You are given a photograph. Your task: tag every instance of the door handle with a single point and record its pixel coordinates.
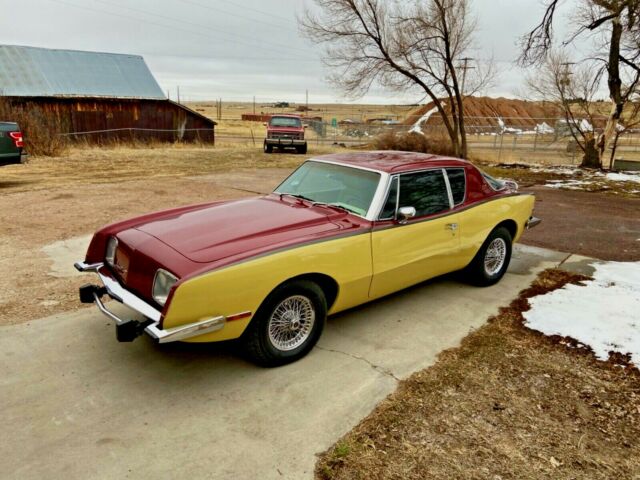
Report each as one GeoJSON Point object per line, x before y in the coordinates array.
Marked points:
{"type": "Point", "coordinates": [452, 226]}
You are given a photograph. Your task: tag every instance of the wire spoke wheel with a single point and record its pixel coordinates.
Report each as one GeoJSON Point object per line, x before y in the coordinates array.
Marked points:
{"type": "Point", "coordinates": [495, 256]}
{"type": "Point", "coordinates": [291, 322]}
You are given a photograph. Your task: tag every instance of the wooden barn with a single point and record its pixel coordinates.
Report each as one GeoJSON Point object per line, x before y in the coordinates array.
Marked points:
{"type": "Point", "coordinates": [97, 97]}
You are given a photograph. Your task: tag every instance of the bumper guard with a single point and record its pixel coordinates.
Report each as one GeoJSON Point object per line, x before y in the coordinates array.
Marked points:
{"type": "Point", "coordinates": [126, 329]}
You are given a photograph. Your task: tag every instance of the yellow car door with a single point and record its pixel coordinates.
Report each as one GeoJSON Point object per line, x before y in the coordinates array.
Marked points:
{"type": "Point", "coordinates": [417, 236]}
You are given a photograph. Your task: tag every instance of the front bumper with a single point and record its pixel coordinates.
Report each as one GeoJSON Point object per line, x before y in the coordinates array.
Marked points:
{"type": "Point", "coordinates": [285, 142]}
{"type": "Point", "coordinates": [126, 329]}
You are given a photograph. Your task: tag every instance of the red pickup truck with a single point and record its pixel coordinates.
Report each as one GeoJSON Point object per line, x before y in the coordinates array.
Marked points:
{"type": "Point", "coordinates": [285, 131]}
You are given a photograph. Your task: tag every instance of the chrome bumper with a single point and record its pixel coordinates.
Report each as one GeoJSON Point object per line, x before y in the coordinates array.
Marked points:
{"type": "Point", "coordinates": [285, 142]}
{"type": "Point", "coordinates": [127, 329]}
{"type": "Point", "coordinates": [532, 222]}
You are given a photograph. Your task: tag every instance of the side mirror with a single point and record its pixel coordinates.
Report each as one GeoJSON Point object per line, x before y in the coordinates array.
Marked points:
{"type": "Point", "coordinates": [264, 124]}
{"type": "Point", "coordinates": [405, 213]}
{"type": "Point", "coordinates": [305, 126]}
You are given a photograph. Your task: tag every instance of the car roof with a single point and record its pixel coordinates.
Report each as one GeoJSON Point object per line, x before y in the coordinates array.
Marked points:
{"type": "Point", "coordinates": [285, 115]}
{"type": "Point", "coordinates": [392, 161]}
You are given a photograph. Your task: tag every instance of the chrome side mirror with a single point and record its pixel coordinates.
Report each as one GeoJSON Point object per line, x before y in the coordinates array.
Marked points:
{"type": "Point", "coordinates": [405, 213]}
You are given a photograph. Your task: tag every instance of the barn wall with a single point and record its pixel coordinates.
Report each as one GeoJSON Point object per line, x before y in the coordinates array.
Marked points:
{"type": "Point", "coordinates": [123, 119]}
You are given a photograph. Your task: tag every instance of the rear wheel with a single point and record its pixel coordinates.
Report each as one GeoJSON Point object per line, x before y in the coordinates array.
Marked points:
{"type": "Point", "coordinates": [267, 148]}
{"type": "Point", "coordinates": [287, 325]}
{"type": "Point", "coordinates": [302, 150]}
{"type": "Point", "coordinates": [491, 262]}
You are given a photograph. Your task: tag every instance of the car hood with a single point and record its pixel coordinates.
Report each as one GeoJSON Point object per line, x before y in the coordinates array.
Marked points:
{"type": "Point", "coordinates": [211, 233]}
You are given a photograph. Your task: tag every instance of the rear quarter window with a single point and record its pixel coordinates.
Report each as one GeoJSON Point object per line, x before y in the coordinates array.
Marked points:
{"type": "Point", "coordinates": [458, 183]}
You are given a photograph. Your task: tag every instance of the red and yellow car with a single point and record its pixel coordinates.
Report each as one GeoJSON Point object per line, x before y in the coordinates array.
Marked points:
{"type": "Point", "coordinates": [340, 231]}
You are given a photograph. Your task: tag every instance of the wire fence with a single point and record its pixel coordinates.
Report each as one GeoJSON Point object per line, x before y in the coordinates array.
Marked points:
{"type": "Point", "coordinates": [538, 144]}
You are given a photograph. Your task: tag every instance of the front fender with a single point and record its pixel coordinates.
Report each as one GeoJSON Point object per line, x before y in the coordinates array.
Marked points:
{"type": "Point", "coordinates": [242, 287]}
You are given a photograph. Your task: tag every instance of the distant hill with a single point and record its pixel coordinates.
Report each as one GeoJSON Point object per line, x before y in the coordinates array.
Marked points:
{"type": "Point", "coordinates": [490, 112]}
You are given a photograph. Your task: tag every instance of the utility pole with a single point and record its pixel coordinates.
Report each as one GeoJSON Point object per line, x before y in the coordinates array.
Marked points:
{"type": "Point", "coordinates": [307, 102]}
{"type": "Point", "coordinates": [178, 89]}
{"type": "Point", "coordinates": [565, 81]}
{"type": "Point", "coordinates": [465, 66]}
{"type": "Point", "coordinates": [254, 104]}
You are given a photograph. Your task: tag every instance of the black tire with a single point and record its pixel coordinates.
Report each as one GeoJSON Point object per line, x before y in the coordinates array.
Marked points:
{"type": "Point", "coordinates": [257, 342]}
{"type": "Point", "coordinates": [478, 272]}
{"type": "Point", "coordinates": [267, 148]}
{"type": "Point", "coordinates": [302, 150]}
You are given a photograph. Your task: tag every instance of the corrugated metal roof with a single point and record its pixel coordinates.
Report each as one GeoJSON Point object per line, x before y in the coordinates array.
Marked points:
{"type": "Point", "coordinates": [43, 72]}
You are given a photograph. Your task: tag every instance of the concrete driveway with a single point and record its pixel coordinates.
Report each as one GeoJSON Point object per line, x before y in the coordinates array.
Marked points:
{"type": "Point", "coordinates": [76, 404]}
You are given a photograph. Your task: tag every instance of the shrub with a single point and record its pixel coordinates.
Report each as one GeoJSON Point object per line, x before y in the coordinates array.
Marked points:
{"type": "Point", "coordinates": [436, 144]}
{"type": "Point", "coordinates": [41, 129]}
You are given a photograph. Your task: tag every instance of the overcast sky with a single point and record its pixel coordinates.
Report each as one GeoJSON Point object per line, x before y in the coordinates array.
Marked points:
{"type": "Point", "coordinates": [235, 49]}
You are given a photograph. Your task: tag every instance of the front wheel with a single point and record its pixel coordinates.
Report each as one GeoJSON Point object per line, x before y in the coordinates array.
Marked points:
{"type": "Point", "coordinates": [302, 149]}
{"type": "Point", "coordinates": [267, 148]}
{"type": "Point", "coordinates": [491, 262]}
{"type": "Point", "coordinates": [287, 325]}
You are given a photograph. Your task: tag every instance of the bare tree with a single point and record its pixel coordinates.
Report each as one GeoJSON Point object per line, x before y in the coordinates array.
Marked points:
{"type": "Point", "coordinates": [615, 31]}
{"type": "Point", "coordinates": [401, 45]}
{"type": "Point", "coordinates": [574, 91]}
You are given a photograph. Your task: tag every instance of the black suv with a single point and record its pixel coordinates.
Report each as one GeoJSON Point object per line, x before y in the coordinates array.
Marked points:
{"type": "Point", "coordinates": [11, 143]}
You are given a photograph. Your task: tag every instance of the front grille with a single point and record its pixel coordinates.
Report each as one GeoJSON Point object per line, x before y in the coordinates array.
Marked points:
{"type": "Point", "coordinates": [292, 136]}
{"type": "Point", "coordinates": [121, 264]}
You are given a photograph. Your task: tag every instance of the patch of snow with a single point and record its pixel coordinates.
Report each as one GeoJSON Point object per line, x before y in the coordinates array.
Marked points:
{"type": "Point", "coordinates": [603, 314]}
{"type": "Point", "coordinates": [624, 177]}
{"type": "Point", "coordinates": [417, 127]}
{"type": "Point", "coordinates": [558, 170]}
{"type": "Point", "coordinates": [585, 126]}
{"type": "Point", "coordinates": [570, 184]}
{"type": "Point", "coordinates": [543, 127]}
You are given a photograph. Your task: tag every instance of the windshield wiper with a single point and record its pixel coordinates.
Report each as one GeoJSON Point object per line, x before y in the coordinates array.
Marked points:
{"type": "Point", "coordinates": [335, 205]}
{"type": "Point", "coordinates": [296, 195]}
{"type": "Point", "coordinates": [320, 204]}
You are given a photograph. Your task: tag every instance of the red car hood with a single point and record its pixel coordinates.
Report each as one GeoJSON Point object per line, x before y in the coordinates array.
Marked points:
{"type": "Point", "coordinates": [211, 233]}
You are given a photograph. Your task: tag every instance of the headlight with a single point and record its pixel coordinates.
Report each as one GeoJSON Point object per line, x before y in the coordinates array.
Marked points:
{"type": "Point", "coordinates": [162, 284]}
{"type": "Point", "coordinates": [110, 254]}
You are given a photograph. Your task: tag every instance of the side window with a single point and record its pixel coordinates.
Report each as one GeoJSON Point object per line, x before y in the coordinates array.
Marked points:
{"type": "Point", "coordinates": [457, 183]}
{"type": "Point", "coordinates": [425, 191]}
{"type": "Point", "coordinates": [389, 210]}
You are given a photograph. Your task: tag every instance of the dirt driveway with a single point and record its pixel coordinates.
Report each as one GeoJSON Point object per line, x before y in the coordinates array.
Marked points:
{"type": "Point", "coordinates": [596, 225]}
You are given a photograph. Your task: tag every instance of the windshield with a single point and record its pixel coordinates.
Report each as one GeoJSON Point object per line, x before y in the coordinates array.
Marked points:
{"type": "Point", "coordinates": [350, 188]}
{"type": "Point", "coordinates": [285, 122]}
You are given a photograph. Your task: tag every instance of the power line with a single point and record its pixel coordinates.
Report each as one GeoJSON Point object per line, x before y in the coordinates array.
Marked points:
{"type": "Point", "coordinates": [199, 25]}
{"type": "Point", "coordinates": [171, 27]}
{"type": "Point", "coordinates": [214, 9]}
{"type": "Point", "coordinates": [244, 7]}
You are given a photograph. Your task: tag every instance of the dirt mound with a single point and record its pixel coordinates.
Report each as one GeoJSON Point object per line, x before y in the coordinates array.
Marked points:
{"type": "Point", "coordinates": [490, 112]}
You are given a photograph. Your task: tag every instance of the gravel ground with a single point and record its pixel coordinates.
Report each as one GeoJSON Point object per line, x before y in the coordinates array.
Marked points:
{"type": "Point", "coordinates": [598, 225]}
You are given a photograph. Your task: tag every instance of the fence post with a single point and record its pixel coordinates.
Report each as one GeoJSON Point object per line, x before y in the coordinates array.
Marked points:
{"type": "Point", "coordinates": [501, 141]}
{"type": "Point", "coordinates": [535, 140]}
